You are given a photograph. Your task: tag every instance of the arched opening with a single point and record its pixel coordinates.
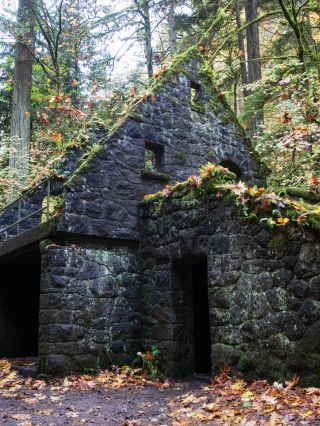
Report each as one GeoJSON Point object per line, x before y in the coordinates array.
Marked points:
{"type": "Point", "coordinates": [233, 167]}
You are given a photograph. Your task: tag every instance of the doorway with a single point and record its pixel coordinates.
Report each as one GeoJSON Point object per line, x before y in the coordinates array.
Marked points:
{"type": "Point", "coordinates": [19, 305]}
{"type": "Point", "coordinates": [201, 323]}
{"type": "Point", "coordinates": [191, 287]}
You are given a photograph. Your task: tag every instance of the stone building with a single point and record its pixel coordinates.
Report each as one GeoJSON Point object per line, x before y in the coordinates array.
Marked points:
{"type": "Point", "coordinates": [106, 277]}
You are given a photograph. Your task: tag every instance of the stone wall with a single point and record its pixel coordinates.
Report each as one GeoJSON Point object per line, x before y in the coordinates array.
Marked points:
{"type": "Point", "coordinates": [88, 306]}
{"type": "Point", "coordinates": [103, 198]}
{"type": "Point", "coordinates": [263, 286]}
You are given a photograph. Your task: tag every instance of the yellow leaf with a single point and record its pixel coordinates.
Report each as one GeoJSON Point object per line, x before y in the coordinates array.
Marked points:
{"type": "Point", "coordinates": [247, 396]}
{"type": "Point", "coordinates": [283, 221]}
{"type": "Point", "coordinates": [238, 385]}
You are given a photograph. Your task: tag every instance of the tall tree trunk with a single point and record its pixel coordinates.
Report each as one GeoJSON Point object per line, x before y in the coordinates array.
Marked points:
{"type": "Point", "coordinates": [172, 28]}
{"type": "Point", "coordinates": [242, 50]}
{"type": "Point", "coordinates": [148, 37]}
{"type": "Point", "coordinates": [253, 55]}
{"type": "Point", "coordinates": [253, 42]}
{"type": "Point", "coordinates": [22, 84]}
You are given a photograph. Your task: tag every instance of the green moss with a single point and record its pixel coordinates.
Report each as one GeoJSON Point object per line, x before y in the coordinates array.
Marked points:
{"type": "Point", "coordinates": [300, 193]}
{"type": "Point", "coordinates": [152, 174]}
{"type": "Point", "coordinates": [190, 204]}
{"type": "Point", "coordinates": [278, 244]}
{"type": "Point", "coordinates": [136, 116]}
{"type": "Point", "coordinates": [83, 163]}
{"type": "Point", "coordinates": [246, 363]}
{"type": "Point", "coordinates": [182, 157]}
{"type": "Point", "coordinates": [134, 110]}
{"type": "Point", "coordinates": [267, 208]}
{"type": "Point", "coordinates": [174, 101]}
{"type": "Point", "coordinates": [198, 107]}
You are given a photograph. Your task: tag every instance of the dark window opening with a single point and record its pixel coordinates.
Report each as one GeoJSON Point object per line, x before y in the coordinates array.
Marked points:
{"type": "Point", "coordinates": [230, 165]}
{"type": "Point", "coordinates": [19, 305]}
{"type": "Point", "coordinates": [153, 157]}
{"type": "Point", "coordinates": [201, 324]}
{"type": "Point", "coordinates": [195, 93]}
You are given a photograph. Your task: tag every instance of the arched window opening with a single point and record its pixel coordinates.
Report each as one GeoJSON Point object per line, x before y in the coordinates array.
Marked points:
{"type": "Point", "coordinates": [230, 165]}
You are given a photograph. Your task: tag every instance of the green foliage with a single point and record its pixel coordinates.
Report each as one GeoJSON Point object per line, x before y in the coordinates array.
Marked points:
{"type": "Point", "coordinates": [56, 203]}
{"type": "Point", "coordinates": [149, 160]}
{"type": "Point", "coordinates": [289, 143]}
{"type": "Point", "coordinates": [151, 362]}
{"type": "Point", "coordinates": [216, 182]}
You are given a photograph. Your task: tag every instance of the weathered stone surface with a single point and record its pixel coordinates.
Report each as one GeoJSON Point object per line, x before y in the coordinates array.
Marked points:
{"type": "Point", "coordinates": [103, 299]}
{"type": "Point", "coordinates": [103, 199]}
{"type": "Point", "coordinates": [264, 305]}
{"type": "Point", "coordinates": [94, 304]}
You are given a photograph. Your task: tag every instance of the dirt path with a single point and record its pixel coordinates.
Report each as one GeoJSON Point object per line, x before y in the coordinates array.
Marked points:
{"type": "Point", "coordinates": [127, 397]}
{"type": "Point", "coordinates": [148, 405]}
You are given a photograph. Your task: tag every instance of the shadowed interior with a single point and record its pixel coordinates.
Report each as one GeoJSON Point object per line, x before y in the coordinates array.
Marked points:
{"type": "Point", "coordinates": [19, 305]}
{"type": "Point", "coordinates": [192, 294]}
{"type": "Point", "coordinates": [201, 324]}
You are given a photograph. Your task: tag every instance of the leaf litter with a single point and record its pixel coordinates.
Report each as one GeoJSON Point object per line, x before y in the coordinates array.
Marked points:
{"type": "Point", "coordinates": [125, 396]}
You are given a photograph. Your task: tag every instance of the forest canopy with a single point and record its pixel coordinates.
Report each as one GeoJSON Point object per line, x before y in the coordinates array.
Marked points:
{"type": "Point", "coordinates": [71, 67]}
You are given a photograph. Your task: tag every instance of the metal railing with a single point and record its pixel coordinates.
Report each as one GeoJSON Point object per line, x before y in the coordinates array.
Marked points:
{"type": "Point", "coordinates": [16, 207]}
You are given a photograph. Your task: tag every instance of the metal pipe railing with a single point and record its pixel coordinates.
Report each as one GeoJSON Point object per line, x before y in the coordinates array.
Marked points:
{"type": "Point", "coordinates": [40, 184]}
{"type": "Point", "coordinates": [19, 200]}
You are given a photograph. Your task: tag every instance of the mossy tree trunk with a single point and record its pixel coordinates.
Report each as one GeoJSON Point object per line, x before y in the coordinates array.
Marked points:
{"type": "Point", "coordinates": [253, 56]}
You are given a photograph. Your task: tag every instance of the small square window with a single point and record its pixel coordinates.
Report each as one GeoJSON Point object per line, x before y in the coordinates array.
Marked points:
{"type": "Point", "coordinates": [153, 157]}
{"type": "Point", "coordinates": [195, 92]}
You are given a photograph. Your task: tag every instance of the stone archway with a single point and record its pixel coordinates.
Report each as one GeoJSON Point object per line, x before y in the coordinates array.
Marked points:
{"type": "Point", "coordinates": [233, 167]}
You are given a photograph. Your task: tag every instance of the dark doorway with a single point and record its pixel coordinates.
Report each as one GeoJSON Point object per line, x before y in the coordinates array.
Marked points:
{"type": "Point", "coordinates": [201, 324]}
{"type": "Point", "coordinates": [233, 167]}
{"type": "Point", "coordinates": [19, 305]}
{"type": "Point", "coordinates": [190, 282]}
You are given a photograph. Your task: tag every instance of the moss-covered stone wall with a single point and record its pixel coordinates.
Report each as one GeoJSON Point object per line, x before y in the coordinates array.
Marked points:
{"type": "Point", "coordinates": [88, 306]}
{"type": "Point", "coordinates": [263, 287]}
{"type": "Point", "coordinates": [103, 194]}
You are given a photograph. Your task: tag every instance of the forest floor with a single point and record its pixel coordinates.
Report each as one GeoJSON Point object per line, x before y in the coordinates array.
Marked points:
{"type": "Point", "coordinates": [125, 397]}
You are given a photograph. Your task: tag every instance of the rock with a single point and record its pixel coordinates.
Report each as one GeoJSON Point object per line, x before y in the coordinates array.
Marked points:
{"type": "Point", "coordinates": [298, 288]}
{"type": "Point", "coordinates": [103, 287]}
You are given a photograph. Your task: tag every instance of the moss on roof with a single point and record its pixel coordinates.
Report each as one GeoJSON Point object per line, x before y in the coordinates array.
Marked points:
{"type": "Point", "coordinates": [179, 65]}
{"type": "Point", "coordinates": [216, 182]}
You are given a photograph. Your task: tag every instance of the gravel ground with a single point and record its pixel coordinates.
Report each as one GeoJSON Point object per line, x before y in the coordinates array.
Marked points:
{"type": "Point", "coordinates": [126, 406]}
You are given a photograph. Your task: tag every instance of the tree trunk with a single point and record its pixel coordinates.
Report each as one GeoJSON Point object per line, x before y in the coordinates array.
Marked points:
{"type": "Point", "coordinates": [242, 51]}
{"type": "Point", "coordinates": [253, 42]}
{"type": "Point", "coordinates": [172, 28]}
{"type": "Point", "coordinates": [253, 55]}
{"type": "Point", "coordinates": [22, 84]}
{"type": "Point", "coordinates": [148, 37]}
